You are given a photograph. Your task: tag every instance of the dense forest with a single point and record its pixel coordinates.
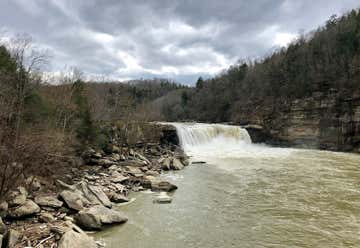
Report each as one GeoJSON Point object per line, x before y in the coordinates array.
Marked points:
{"type": "Point", "coordinates": [327, 59]}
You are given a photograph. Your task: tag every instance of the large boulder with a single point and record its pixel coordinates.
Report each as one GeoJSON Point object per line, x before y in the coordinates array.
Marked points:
{"type": "Point", "coordinates": [27, 209]}
{"type": "Point", "coordinates": [73, 239]}
{"type": "Point", "coordinates": [82, 195]}
{"type": "Point", "coordinates": [95, 217]}
{"type": "Point", "coordinates": [157, 185]}
{"type": "Point", "coordinates": [94, 194]}
{"type": "Point", "coordinates": [74, 199]}
{"type": "Point", "coordinates": [48, 201]}
{"type": "Point", "coordinates": [118, 198]}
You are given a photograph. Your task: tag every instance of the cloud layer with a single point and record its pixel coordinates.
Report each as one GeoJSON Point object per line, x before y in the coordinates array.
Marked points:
{"type": "Point", "coordinates": [178, 39]}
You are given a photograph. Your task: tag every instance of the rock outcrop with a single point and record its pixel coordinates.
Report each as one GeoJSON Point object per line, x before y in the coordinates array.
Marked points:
{"type": "Point", "coordinates": [326, 120]}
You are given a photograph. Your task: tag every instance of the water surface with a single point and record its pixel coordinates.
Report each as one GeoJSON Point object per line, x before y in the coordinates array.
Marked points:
{"type": "Point", "coordinates": [249, 196]}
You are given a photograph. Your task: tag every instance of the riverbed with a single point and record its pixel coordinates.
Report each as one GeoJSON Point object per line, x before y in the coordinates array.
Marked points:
{"type": "Point", "coordinates": [249, 195]}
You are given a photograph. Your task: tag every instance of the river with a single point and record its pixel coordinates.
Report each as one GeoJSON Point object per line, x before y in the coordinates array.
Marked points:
{"type": "Point", "coordinates": [247, 195]}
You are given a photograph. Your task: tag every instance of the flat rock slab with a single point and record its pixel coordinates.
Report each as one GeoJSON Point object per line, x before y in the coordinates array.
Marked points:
{"type": "Point", "coordinates": [48, 201]}
{"type": "Point", "coordinates": [27, 209]}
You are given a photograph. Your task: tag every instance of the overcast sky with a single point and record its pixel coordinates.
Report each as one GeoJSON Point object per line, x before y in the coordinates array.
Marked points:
{"type": "Point", "coordinates": [177, 39]}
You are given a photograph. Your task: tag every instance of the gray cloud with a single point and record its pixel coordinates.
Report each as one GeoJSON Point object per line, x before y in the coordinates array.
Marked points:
{"type": "Point", "coordinates": [179, 39]}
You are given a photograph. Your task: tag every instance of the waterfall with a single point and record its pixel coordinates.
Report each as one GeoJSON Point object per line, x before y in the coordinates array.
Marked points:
{"type": "Point", "coordinates": [207, 142]}
{"type": "Point", "coordinates": [201, 134]}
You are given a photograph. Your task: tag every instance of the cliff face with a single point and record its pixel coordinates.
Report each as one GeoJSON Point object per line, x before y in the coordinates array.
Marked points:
{"type": "Point", "coordinates": [326, 120]}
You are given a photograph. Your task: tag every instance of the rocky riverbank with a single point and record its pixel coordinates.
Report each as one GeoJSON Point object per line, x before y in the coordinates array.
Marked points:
{"type": "Point", "coordinates": [42, 213]}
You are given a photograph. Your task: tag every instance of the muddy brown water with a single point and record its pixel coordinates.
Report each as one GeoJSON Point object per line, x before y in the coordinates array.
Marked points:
{"type": "Point", "coordinates": [249, 196]}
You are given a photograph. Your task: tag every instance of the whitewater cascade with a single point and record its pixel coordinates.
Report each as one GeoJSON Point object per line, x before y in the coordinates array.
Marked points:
{"type": "Point", "coordinates": [200, 134]}
{"type": "Point", "coordinates": [207, 142]}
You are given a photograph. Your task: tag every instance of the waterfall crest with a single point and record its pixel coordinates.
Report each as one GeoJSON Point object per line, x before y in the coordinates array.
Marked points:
{"type": "Point", "coordinates": [201, 134]}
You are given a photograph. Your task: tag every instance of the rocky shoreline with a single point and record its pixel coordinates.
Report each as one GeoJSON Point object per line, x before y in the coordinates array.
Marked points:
{"type": "Point", "coordinates": [41, 213]}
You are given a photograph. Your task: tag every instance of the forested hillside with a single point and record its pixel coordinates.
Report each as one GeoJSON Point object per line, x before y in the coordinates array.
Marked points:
{"type": "Point", "coordinates": [324, 60]}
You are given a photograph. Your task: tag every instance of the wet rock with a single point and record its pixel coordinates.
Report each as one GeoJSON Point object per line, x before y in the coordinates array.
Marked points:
{"type": "Point", "coordinates": [48, 201]}
{"type": "Point", "coordinates": [46, 217]}
{"type": "Point", "coordinates": [17, 197]}
{"type": "Point", "coordinates": [163, 186]}
{"type": "Point", "coordinates": [157, 185]}
{"type": "Point", "coordinates": [95, 217]}
{"type": "Point", "coordinates": [118, 198]}
{"type": "Point", "coordinates": [27, 209]}
{"type": "Point", "coordinates": [163, 197]}
{"type": "Point", "coordinates": [166, 164]}
{"type": "Point", "coordinates": [73, 239]}
{"type": "Point", "coordinates": [176, 164]}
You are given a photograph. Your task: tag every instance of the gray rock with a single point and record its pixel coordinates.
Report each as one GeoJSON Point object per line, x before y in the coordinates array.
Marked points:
{"type": "Point", "coordinates": [118, 178]}
{"type": "Point", "coordinates": [46, 217]}
{"type": "Point", "coordinates": [115, 157]}
{"type": "Point", "coordinates": [177, 165]}
{"type": "Point", "coordinates": [143, 158]}
{"type": "Point", "coordinates": [100, 195]}
{"type": "Point", "coordinates": [156, 185]}
{"type": "Point", "coordinates": [163, 186]}
{"type": "Point", "coordinates": [73, 199]}
{"type": "Point", "coordinates": [116, 149]}
{"type": "Point", "coordinates": [33, 183]}
{"type": "Point", "coordinates": [17, 197]}
{"type": "Point", "coordinates": [163, 197]}
{"type": "Point", "coordinates": [2, 227]}
{"type": "Point", "coordinates": [73, 239]}
{"type": "Point", "coordinates": [82, 195]}
{"type": "Point", "coordinates": [166, 164]}
{"type": "Point", "coordinates": [134, 171]}
{"type": "Point", "coordinates": [118, 198]}
{"type": "Point", "coordinates": [27, 209]}
{"type": "Point", "coordinates": [105, 162]}
{"type": "Point", "coordinates": [11, 238]}
{"type": "Point", "coordinates": [48, 201]}
{"type": "Point", "coordinates": [4, 206]}
{"type": "Point", "coordinates": [95, 217]}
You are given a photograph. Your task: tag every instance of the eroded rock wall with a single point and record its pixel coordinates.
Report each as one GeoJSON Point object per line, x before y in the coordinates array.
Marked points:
{"type": "Point", "coordinates": [326, 120]}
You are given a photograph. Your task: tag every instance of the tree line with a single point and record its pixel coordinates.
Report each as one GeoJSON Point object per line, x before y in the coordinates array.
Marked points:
{"type": "Point", "coordinates": [327, 59]}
